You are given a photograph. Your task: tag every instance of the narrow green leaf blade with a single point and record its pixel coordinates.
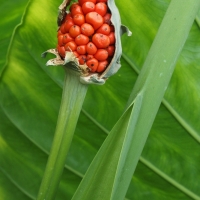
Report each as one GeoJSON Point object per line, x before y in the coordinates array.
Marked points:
{"type": "Point", "coordinates": [98, 181]}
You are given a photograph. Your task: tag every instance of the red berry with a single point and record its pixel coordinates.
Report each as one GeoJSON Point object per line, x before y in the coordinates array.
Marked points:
{"type": "Point", "coordinates": [60, 40]}
{"type": "Point", "coordinates": [76, 9]}
{"type": "Point", "coordinates": [112, 37]}
{"type": "Point", "coordinates": [67, 38]}
{"type": "Point", "coordinates": [102, 1]}
{"type": "Point", "coordinates": [62, 28]}
{"type": "Point", "coordinates": [91, 48]}
{"type": "Point", "coordinates": [104, 29]}
{"type": "Point", "coordinates": [95, 19]}
{"type": "Point", "coordinates": [110, 50]}
{"type": "Point", "coordinates": [87, 29]}
{"type": "Point", "coordinates": [61, 51]}
{"type": "Point", "coordinates": [81, 39]}
{"type": "Point", "coordinates": [89, 57]}
{"type": "Point", "coordinates": [59, 32]}
{"type": "Point", "coordinates": [106, 18]}
{"type": "Point", "coordinates": [83, 1]}
{"type": "Point", "coordinates": [68, 16]}
{"type": "Point", "coordinates": [82, 59]}
{"type": "Point", "coordinates": [88, 7]}
{"type": "Point", "coordinates": [81, 49]}
{"type": "Point", "coordinates": [101, 54]}
{"type": "Point", "coordinates": [74, 31]}
{"type": "Point", "coordinates": [100, 40]}
{"type": "Point", "coordinates": [79, 19]}
{"type": "Point", "coordinates": [71, 46]}
{"type": "Point", "coordinates": [92, 64]}
{"type": "Point", "coordinates": [102, 66]}
{"type": "Point", "coordinates": [68, 24]}
{"type": "Point", "coordinates": [101, 8]}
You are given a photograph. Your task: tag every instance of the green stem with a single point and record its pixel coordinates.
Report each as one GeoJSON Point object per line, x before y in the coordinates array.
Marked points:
{"type": "Point", "coordinates": [72, 99]}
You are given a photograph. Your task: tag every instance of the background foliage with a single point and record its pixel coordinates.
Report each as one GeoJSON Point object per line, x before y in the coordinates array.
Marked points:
{"type": "Point", "coordinates": [30, 95]}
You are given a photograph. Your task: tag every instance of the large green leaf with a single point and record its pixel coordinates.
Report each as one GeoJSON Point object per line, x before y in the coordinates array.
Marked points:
{"type": "Point", "coordinates": [30, 95]}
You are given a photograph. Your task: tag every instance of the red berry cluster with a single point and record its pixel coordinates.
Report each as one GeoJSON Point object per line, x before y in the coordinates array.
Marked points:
{"type": "Point", "coordinates": [88, 33]}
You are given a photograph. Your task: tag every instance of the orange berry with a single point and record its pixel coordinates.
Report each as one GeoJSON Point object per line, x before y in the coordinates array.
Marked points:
{"type": "Point", "coordinates": [87, 29]}
{"type": "Point", "coordinates": [68, 24]}
{"type": "Point", "coordinates": [111, 50]}
{"type": "Point", "coordinates": [67, 38]}
{"type": "Point", "coordinates": [101, 8]}
{"type": "Point", "coordinates": [83, 1]}
{"type": "Point", "coordinates": [101, 54]}
{"type": "Point", "coordinates": [81, 49]}
{"type": "Point", "coordinates": [95, 19]}
{"type": "Point", "coordinates": [104, 29]}
{"type": "Point", "coordinates": [82, 59]}
{"type": "Point", "coordinates": [71, 46]}
{"type": "Point", "coordinates": [79, 19]}
{"type": "Point", "coordinates": [74, 31]}
{"type": "Point", "coordinates": [91, 48]}
{"type": "Point", "coordinates": [102, 66]}
{"type": "Point", "coordinates": [100, 40]}
{"type": "Point", "coordinates": [81, 39]}
{"type": "Point", "coordinates": [92, 64]}
{"type": "Point", "coordinates": [88, 7]}
{"type": "Point", "coordinates": [112, 37]}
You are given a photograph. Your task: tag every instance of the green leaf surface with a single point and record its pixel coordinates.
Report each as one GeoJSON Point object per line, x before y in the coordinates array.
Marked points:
{"type": "Point", "coordinates": [30, 95]}
{"type": "Point", "coordinates": [11, 17]}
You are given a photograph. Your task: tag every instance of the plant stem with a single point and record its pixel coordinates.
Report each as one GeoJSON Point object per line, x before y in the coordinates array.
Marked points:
{"type": "Point", "coordinates": [72, 99]}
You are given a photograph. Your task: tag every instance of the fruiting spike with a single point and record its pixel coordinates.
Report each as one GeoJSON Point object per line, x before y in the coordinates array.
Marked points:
{"type": "Point", "coordinates": [110, 60]}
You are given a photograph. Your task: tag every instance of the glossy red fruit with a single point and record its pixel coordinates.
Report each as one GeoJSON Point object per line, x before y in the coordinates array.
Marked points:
{"type": "Point", "coordinates": [106, 18]}
{"type": "Point", "coordinates": [71, 46]}
{"type": "Point", "coordinates": [60, 40]}
{"type": "Point", "coordinates": [61, 51]}
{"type": "Point", "coordinates": [100, 40]}
{"type": "Point", "coordinates": [76, 9]}
{"type": "Point", "coordinates": [104, 29]}
{"type": "Point", "coordinates": [79, 19]}
{"type": "Point", "coordinates": [101, 8]}
{"type": "Point", "coordinates": [82, 59]}
{"type": "Point", "coordinates": [87, 29]}
{"type": "Point", "coordinates": [81, 39]}
{"type": "Point", "coordinates": [95, 19]}
{"type": "Point", "coordinates": [110, 50]}
{"type": "Point", "coordinates": [68, 24]}
{"type": "Point", "coordinates": [92, 64]}
{"type": "Point", "coordinates": [102, 66]}
{"type": "Point", "coordinates": [101, 55]}
{"type": "Point", "coordinates": [68, 16]}
{"type": "Point", "coordinates": [74, 31]}
{"type": "Point", "coordinates": [88, 7]}
{"type": "Point", "coordinates": [112, 37]}
{"type": "Point", "coordinates": [59, 32]}
{"type": "Point", "coordinates": [62, 28]}
{"type": "Point", "coordinates": [91, 48]}
{"type": "Point", "coordinates": [102, 1]}
{"type": "Point", "coordinates": [81, 2]}
{"type": "Point", "coordinates": [81, 49]}
{"type": "Point", "coordinates": [89, 57]}
{"type": "Point", "coordinates": [74, 5]}
{"type": "Point", "coordinates": [67, 38]}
